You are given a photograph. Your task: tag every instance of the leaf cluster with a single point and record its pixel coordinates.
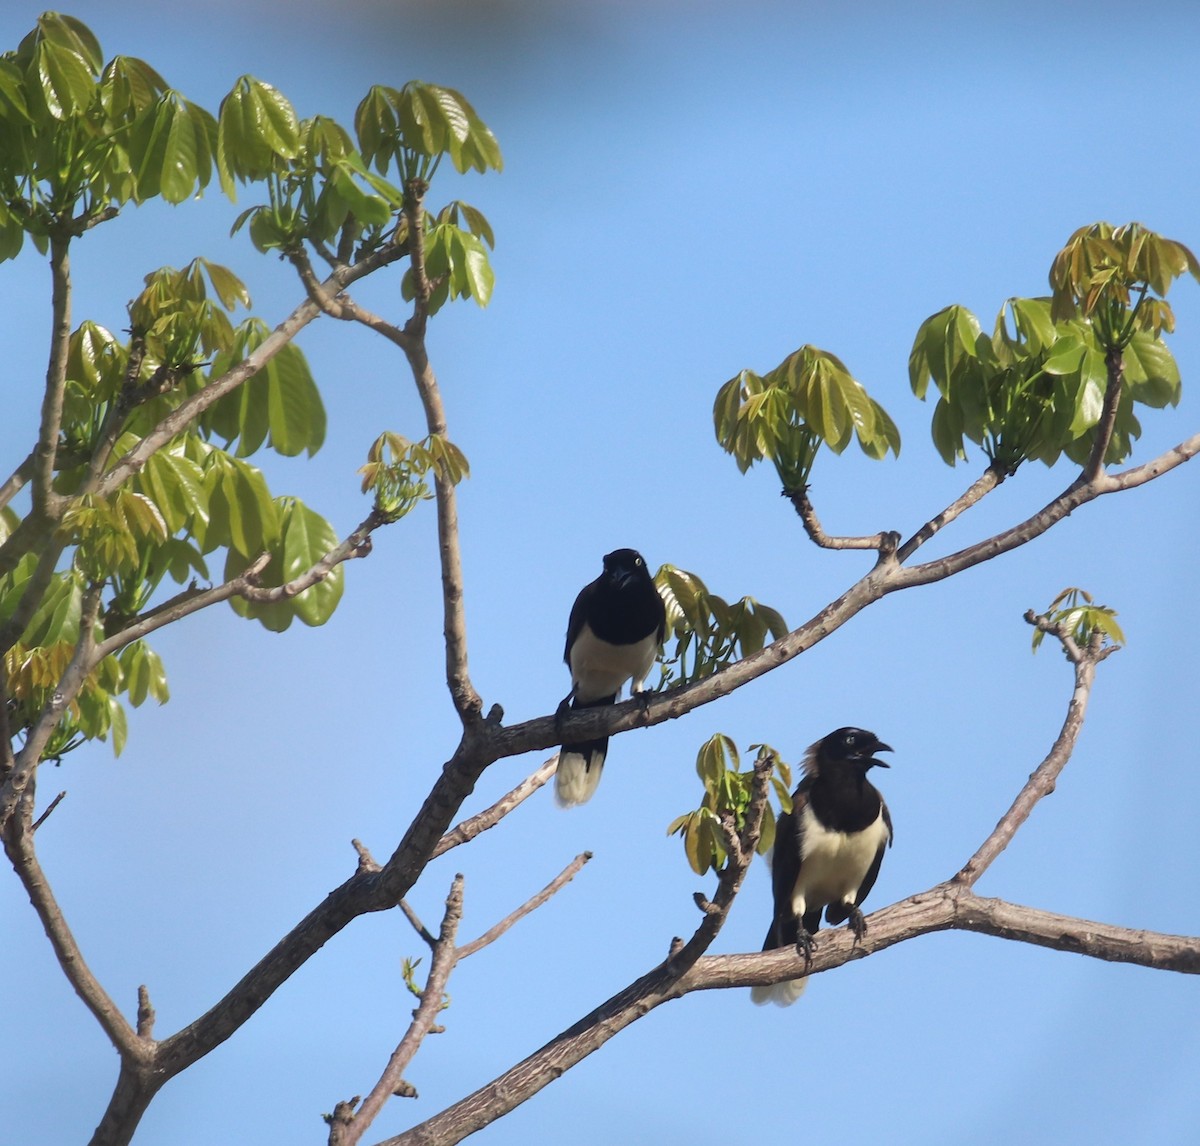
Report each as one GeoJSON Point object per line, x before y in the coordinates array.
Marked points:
{"type": "Point", "coordinates": [727, 794]}
{"type": "Point", "coordinates": [35, 664]}
{"type": "Point", "coordinates": [1034, 388]}
{"type": "Point", "coordinates": [785, 416]}
{"type": "Point", "coordinates": [323, 188]}
{"type": "Point", "coordinates": [708, 631]}
{"type": "Point", "coordinates": [396, 470]}
{"type": "Point", "coordinates": [1117, 278]}
{"type": "Point", "coordinates": [79, 138]}
{"type": "Point", "coordinates": [1074, 614]}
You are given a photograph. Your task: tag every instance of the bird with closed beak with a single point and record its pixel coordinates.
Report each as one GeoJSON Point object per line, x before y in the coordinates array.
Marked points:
{"type": "Point", "coordinates": [616, 628]}
{"type": "Point", "coordinates": [828, 849]}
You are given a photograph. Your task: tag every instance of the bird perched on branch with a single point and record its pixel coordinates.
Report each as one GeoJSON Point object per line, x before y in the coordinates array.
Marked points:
{"type": "Point", "coordinates": [616, 628]}
{"type": "Point", "coordinates": [828, 848]}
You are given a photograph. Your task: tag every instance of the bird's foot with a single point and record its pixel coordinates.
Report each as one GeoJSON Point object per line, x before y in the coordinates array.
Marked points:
{"type": "Point", "coordinates": [857, 924]}
{"type": "Point", "coordinates": [560, 713]}
{"type": "Point", "coordinates": [804, 946]}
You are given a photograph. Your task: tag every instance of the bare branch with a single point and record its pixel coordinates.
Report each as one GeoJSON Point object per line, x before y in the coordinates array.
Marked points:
{"type": "Point", "coordinates": [16, 481]}
{"type": "Point", "coordinates": [417, 925]}
{"type": "Point", "coordinates": [983, 485]}
{"type": "Point", "coordinates": [1114, 363]}
{"type": "Point", "coordinates": [357, 544]}
{"type": "Point", "coordinates": [45, 501]}
{"type": "Point", "coordinates": [18, 846]}
{"type": "Point", "coordinates": [532, 904]}
{"type": "Point", "coordinates": [50, 808]}
{"type": "Point", "coordinates": [490, 817]}
{"type": "Point", "coordinates": [808, 518]}
{"type": "Point", "coordinates": [444, 959]}
{"type": "Point", "coordinates": [182, 605]}
{"type": "Point", "coordinates": [1043, 779]}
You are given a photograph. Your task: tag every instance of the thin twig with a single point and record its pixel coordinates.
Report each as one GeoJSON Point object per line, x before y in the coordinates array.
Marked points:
{"type": "Point", "coordinates": [980, 488]}
{"type": "Point", "coordinates": [480, 822]}
{"type": "Point", "coordinates": [49, 808]}
{"type": "Point", "coordinates": [1044, 777]}
{"type": "Point", "coordinates": [417, 925]}
{"type": "Point", "coordinates": [531, 904]}
{"type": "Point", "coordinates": [808, 518]}
{"type": "Point", "coordinates": [444, 959]}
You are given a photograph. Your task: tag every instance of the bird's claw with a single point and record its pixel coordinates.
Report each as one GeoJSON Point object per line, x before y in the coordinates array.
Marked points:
{"type": "Point", "coordinates": [857, 924]}
{"type": "Point", "coordinates": [804, 946]}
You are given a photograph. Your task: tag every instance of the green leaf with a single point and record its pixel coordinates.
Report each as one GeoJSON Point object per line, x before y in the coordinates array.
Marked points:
{"type": "Point", "coordinates": [296, 413]}
{"type": "Point", "coordinates": [307, 538]}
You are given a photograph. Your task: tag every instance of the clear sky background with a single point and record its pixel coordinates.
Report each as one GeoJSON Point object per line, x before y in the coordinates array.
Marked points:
{"type": "Point", "coordinates": [689, 189]}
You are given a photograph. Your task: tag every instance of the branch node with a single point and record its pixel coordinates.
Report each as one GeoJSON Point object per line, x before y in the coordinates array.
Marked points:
{"type": "Point", "coordinates": [145, 1014]}
{"type": "Point", "coordinates": [366, 861]}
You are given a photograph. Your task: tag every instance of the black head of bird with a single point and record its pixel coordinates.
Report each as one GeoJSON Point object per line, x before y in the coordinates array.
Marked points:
{"type": "Point", "coordinates": [854, 746]}
{"type": "Point", "coordinates": [623, 567]}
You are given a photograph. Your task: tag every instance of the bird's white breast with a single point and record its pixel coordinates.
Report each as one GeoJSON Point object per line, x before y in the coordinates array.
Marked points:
{"type": "Point", "coordinates": [833, 864]}
{"type": "Point", "coordinates": [601, 669]}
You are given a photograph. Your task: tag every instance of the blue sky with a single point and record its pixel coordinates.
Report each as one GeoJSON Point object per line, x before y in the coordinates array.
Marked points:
{"type": "Point", "coordinates": [689, 189]}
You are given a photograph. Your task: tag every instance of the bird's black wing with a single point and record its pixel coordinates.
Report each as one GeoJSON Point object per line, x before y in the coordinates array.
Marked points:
{"type": "Point", "coordinates": [785, 868]}
{"type": "Point", "coordinates": [579, 615]}
{"type": "Point", "coordinates": [873, 871]}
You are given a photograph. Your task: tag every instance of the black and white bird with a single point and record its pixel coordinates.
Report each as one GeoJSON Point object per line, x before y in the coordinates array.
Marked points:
{"type": "Point", "coordinates": [827, 849]}
{"type": "Point", "coordinates": [616, 628]}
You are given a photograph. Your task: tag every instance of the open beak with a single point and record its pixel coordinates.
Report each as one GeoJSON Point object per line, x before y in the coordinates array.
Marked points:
{"type": "Point", "coordinates": [881, 747]}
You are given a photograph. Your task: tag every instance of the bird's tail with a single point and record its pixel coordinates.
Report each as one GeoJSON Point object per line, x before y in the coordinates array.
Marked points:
{"type": "Point", "coordinates": [580, 764]}
{"type": "Point", "coordinates": [786, 993]}
{"type": "Point", "coordinates": [781, 994]}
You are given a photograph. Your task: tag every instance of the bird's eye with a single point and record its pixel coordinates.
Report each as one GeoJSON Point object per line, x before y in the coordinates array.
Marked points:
{"type": "Point", "coordinates": [849, 739]}
{"type": "Point", "coordinates": [639, 563]}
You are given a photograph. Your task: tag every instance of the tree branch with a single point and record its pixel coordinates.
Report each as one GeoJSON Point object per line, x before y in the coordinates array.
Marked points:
{"type": "Point", "coordinates": [16, 481]}
{"type": "Point", "coordinates": [983, 485]}
{"type": "Point", "coordinates": [531, 904]}
{"type": "Point", "coordinates": [522, 1081]}
{"type": "Point", "coordinates": [283, 334]}
{"type": "Point", "coordinates": [45, 502]}
{"type": "Point", "coordinates": [1114, 363]}
{"type": "Point", "coordinates": [1043, 779]}
{"type": "Point", "coordinates": [812, 526]}
{"type": "Point", "coordinates": [18, 846]}
{"type": "Point", "coordinates": [444, 959]}
{"type": "Point", "coordinates": [467, 830]}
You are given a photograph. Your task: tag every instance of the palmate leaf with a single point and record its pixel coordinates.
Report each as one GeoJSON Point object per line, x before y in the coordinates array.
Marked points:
{"type": "Point", "coordinates": [708, 632]}
{"type": "Point", "coordinates": [171, 149]}
{"type": "Point", "coordinates": [304, 538]}
{"type": "Point", "coordinates": [784, 416]}
{"type": "Point", "coordinates": [727, 792]}
{"type": "Point", "coordinates": [1079, 617]}
{"type": "Point", "coordinates": [422, 122]}
{"type": "Point", "coordinates": [242, 513]}
{"type": "Point", "coordinates": [257, 132]}
{"type": "Point", "coordinates": [280, 405]}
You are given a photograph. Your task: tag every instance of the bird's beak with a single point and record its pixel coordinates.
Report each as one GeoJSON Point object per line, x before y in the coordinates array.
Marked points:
{"type": "Point", "coordinates": [881, 747]}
